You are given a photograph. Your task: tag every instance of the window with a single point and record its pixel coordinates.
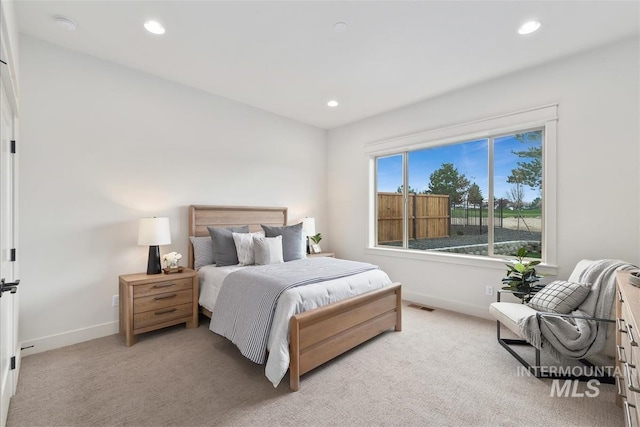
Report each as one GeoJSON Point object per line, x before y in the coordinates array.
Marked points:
{"type": "Point", "coordinates": [468, 195]}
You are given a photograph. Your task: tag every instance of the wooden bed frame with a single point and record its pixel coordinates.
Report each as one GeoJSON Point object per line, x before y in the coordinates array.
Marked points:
{"type": "Point", "coordinates": [318, 335]}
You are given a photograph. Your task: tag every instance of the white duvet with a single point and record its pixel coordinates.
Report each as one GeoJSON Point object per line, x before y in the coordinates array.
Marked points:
{"type": "Point", "coordinates": [291, 302]}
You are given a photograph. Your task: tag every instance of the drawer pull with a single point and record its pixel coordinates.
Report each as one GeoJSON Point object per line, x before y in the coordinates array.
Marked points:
{"type": "Point", "coordinates": [627, 412]}
{"type": "Point", "coordinates": [165, 296]}
{"type": "Point", "coordinates": [163, 285]}
{"type": "Point", "coordinates": [620, 387]}
{"type": "Point", "coordinates": [632, 341]}
{"type": "Point", "coordinates": [621, 355]}
{"type": "Point", "coordinates": [619, 323]}
{"type": "Point", "coordinates": [628, 379]}
{"type": "Point", "coordinates": [620, 296]}
{"type": "Point", "coordinates": [170, 310]}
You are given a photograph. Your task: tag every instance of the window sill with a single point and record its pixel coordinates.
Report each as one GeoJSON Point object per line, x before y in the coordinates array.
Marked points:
{"type": "Point", "coordinates": [496, 263]}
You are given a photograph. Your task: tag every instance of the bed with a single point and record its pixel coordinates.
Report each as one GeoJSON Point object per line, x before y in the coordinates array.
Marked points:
{"type": "Point", "coordinates": [319, 334]}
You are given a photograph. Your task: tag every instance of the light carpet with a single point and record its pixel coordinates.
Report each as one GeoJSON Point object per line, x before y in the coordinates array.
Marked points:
{"type": "Point", "coordinates": [443, 369]}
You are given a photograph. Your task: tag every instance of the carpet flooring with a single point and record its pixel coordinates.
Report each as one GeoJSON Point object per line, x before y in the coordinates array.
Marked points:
{"type": "Point", "coordinates": [443, 369]}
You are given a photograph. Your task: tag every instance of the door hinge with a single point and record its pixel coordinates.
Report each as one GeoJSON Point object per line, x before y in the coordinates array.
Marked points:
{"type": "Point", "coordinates": [13, 146]}
{"type": "Point", "coordinates": [13, 363]}
{"type": "Point", "coordinates": [12, 254]}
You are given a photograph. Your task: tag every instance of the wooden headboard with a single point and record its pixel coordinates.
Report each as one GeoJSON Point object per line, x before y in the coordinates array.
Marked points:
{"type": "Point", "coordinates": [201, 217]}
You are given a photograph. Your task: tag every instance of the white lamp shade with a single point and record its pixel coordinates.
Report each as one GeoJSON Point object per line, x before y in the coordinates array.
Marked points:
{"type": "Point", "coordinates": [309, 227]}
{"type": "Point", "coordinates": [154, 231]}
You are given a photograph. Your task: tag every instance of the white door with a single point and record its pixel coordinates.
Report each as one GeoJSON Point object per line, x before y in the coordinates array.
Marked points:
{"type": "Point", "coordinates": [8, 300]}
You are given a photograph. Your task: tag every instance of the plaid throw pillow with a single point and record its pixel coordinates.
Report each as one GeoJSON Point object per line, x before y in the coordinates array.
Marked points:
{"type": "Point", "coordinates": [560, 297]}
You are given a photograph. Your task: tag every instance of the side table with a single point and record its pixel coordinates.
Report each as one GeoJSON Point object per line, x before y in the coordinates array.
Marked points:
{"type": "Point", "coordinates": [150, 302]}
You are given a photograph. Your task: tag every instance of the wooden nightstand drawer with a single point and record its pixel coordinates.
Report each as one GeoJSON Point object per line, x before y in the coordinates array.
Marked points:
{"type": "Point", "coordinates": [153, 317]}
{"type": "Point", "coordinates": [161, 287]}
{"type": "Point", "coordinates": [154, 302]}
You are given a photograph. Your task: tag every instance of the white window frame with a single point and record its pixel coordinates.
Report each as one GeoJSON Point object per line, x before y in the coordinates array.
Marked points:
{"type": "Point", "coordinates": [545, 117]}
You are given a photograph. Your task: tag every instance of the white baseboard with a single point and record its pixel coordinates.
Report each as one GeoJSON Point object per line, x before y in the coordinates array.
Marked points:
{"type": "Point", "coordinates": [68, 338]}
{"type": "Point", "coordinates": [98, 331]}
{"type": "Point", "coordinates": [452, 305]}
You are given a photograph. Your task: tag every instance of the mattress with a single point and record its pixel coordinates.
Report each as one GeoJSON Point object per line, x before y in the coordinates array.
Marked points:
{"type": "Point", "coordinates": [290, 303]}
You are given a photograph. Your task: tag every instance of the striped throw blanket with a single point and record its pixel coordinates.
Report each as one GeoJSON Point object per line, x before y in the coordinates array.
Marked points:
{"type": "Point", "coordinates": [244, 309]}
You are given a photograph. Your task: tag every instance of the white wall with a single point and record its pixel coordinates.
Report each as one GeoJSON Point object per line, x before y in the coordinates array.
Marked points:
{"type": "Point", "coordinates": [598, 179]}
{"type": "Point", "coordinates": [103, 145]}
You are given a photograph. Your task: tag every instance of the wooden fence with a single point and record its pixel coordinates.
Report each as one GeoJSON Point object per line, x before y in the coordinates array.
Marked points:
{"type": "Point", "coordinates": [428, 216]}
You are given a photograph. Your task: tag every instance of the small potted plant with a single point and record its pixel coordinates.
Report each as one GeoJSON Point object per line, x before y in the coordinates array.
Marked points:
{"type": "Point", "coordinates": [521, 276]}
{"type": "Point", "coordinates": [315, 248]}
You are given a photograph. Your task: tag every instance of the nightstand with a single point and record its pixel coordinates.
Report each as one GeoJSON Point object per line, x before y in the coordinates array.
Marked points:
{"type": "Point", "coordinates": [321, 254]}
{"type": "Point", "coordinates": [150, 302]}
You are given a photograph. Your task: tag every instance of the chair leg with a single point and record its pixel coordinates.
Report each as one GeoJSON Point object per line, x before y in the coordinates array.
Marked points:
{"type": "Point", "coordinates": [537, 370]}
{"type": "Point", "coordinates": [508, 342]}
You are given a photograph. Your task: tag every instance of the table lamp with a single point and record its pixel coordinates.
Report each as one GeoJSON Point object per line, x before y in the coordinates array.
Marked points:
{"type": "Point", "coordinates": [154, 232]}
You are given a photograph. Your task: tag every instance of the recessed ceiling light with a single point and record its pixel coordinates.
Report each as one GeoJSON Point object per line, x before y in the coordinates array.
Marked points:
{"type": "Point", "coordinates": [529, 27]}
{"type": "Point", "coordinates": [340, 27]}
{"type": "Point", "coordinates": [154, 27]}
{"type": "Point", "coordinates": [332, 103]}
{"type": "Point", "coordinates": [66, 23]}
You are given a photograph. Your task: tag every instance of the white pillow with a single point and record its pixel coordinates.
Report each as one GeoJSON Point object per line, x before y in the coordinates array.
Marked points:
{"type": "Point", "coordinates": [244, 246]}
{"type": "Point", "coordinates": [267, 250]}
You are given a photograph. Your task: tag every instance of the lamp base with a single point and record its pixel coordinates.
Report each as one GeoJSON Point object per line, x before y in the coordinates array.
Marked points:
{"type": "Point", "coordinates": [153, 265]}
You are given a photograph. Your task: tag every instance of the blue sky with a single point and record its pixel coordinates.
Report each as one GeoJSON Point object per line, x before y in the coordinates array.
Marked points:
{"type": "Point", "coordinates": [470, 158]}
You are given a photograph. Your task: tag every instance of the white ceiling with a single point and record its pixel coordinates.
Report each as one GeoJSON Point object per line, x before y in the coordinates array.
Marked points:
{"type": "Point", "coordinates": [284, 57]}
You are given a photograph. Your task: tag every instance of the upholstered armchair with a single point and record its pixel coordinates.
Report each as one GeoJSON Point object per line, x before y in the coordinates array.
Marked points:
{"type": "Point", "coordinates": [572, 319]}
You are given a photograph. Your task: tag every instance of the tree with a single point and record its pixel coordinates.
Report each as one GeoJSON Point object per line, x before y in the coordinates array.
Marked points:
{"type": "Point", "coordinates": [475, 194]}
{"type": "Point", "coordinates": [401, 188]}
{"type": "Point", "coordinates": [516, 197]}
{"type": "Point", "coordinates": [536, 203]}
{"type": "Point", "coordinates": [447, 180]}
{"type": "Point", "coordinates": [528, 172]}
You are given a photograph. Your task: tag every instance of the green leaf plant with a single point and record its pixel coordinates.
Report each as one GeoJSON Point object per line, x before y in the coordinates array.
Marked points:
{"type": "Point", "coordinates": [521, 276]}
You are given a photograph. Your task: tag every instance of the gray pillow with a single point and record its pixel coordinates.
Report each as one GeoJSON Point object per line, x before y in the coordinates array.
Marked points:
{"type": "Point", "coordinates": [202, 251]}
{"type": "Point", "coordinates": [224, 249]}
{"type": "Point", "coordinates": [560, 297]}
{"type": "Point", "coordinates": [267, 250]}
{"type": "Point", "coordinates": [292, 242]}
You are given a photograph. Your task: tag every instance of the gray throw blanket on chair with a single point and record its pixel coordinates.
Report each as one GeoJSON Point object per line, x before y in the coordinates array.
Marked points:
{"type": "Point", "coordinates": [579, 338]}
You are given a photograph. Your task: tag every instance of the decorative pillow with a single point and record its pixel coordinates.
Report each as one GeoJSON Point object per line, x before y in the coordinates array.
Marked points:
{"type": "Point", "coordinates": [560, 297]}
{"type": "Point", "coordinates": [244, 246]}
{"type": "Point", "coordinates": [267, 250]}
{"type": "Point", "coordinates": [224, 249]}
{"type": "Point", "coordinates": [293, 246]}
{"type": "Point", "coordinates": [202, 251]}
